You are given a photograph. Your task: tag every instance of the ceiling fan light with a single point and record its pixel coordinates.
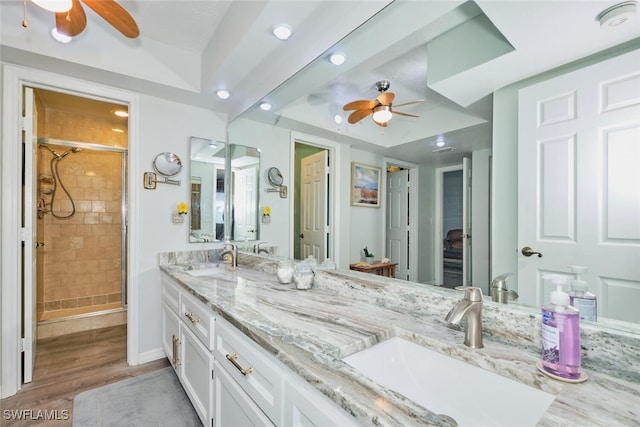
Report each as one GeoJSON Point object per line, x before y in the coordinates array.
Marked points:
{"type": "Point", "coordinates": [59, 37]}
{"type": "Point", "coordinates": [54, 5]}
{"type": "Point", "coordinates": [382, 114]}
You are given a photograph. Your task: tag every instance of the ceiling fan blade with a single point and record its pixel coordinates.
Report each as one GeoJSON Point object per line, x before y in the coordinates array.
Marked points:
{"type": "Point", "coordinates": [400, 113]}
{"type": "Point", "coordinates": [363, 104]}
{"type": "Point", "coordinates": [386, 98]}
{"type": "Point", "coordinates": [409, 103]}
{"type": "Point", "coordinates": [358, 115]}
{"type": "Point", "coordinates": [115, 15]}
{"type": "Point", "coordinates": [72, 22]}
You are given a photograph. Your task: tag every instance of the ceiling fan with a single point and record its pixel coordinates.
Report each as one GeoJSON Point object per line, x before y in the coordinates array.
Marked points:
{"type": "Point", "coordinates": [380, 108]}
{"type": "Point", "coordinates": [73, 21]}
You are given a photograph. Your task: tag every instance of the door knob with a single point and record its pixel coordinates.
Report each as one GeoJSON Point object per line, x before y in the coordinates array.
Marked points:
{"type": "Point", "coordinates": [302, 235]}
{"type": "Point", "coordinates": [527, 251]}
{"type": "Point", "coordinates": [38, 244]}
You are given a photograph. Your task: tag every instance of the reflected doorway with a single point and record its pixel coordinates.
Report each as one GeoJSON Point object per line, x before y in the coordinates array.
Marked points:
{"type": "Point", "coordinates": [453, 249]}
{"type": "Point", "coordinates": [311, 207]}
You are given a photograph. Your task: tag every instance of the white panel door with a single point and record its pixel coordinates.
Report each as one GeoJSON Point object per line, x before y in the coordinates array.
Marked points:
{"type": "Point", "coordinates": [245, 215]}
{"type": "Point", "coordinates": [30, 229]}
{"type": "Point", "coordinates": [313, 210]}
{"type": "Point", "coordinates": [397, 221]}
{"type": "Point", "coordinates": [579, 183]}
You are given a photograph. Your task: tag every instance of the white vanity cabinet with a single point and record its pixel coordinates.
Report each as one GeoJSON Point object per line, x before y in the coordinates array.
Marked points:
{"type": "Point", "coordinates": [185, 321]}
{"type": "Point", "coordinates": [229, 378]}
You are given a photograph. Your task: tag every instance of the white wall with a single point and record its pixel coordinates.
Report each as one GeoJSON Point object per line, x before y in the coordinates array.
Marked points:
{"type": "Point", "coordinates": [165, 126]}
{"type": "Point", "coordinates": [480, 217]}
{"type": "Point", "coordinates": [367, 223]}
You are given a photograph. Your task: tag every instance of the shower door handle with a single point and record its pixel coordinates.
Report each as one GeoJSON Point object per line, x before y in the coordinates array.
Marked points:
{"type": "Point", "coordinates": [38, 244]}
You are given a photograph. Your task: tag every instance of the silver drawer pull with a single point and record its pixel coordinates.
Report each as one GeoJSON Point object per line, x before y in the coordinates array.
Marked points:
{"type": "Point", "coordinates": [232, 358]}
{"type": "Point", "coordinates": [191, 317]}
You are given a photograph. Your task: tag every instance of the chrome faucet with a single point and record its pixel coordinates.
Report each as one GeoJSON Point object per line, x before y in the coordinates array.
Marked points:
{"type": "Point", "coordinates": [257, 249]}
{"type": "Point", "coordinates": [470, 309]}
{"type": "Point", "coordinates": [231, 250]}
{"type": "Point", "coordinates": [500, 291]}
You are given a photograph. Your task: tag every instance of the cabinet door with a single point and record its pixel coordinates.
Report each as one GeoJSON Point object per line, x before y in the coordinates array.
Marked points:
{"type": "Point", "coordinates": [233, 408]}
{"type": "Point", "coordinates": [171, 335]}
{"type": "Point", "coordinates": [195, 374]}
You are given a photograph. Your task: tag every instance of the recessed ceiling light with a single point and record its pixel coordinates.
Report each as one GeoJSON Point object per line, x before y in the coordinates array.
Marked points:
{"type": "Point", "coordinates": [617, 15]}
{"type": "Point", "coordinates": [282, 31]}
{"type": "Point", "coordinates": [54, 5]}
{"type": "Point", "coordinates": [337, 58]}
{"type": "Point", "coordinates": [62, 38]}
{"type": "Point", "coordinates": [265, 106]}
{"type": "Point", "coordinates": [223, 94]}
{"type": "Point", "coordinates": [121, 113]}
{"type": "Point", "coordinates": [440, 143]}
{"type": "Point", "coordinates": [337, 118]}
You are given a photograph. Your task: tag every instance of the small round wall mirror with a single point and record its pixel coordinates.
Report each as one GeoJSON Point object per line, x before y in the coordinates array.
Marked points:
{"type": "Point", "coordinates": [275, 177]}
{"type": "Point", "coordinates": [167, 164]}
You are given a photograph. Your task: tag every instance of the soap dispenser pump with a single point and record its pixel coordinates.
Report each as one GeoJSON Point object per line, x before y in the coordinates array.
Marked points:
{"type": "Point", "coordinates": [560, 334]}
{"type": "Point", "coordinates": [580, 297]}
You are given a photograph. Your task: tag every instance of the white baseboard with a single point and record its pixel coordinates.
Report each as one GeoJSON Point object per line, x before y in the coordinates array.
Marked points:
{"type": "Point", "coordinates": [151, 355]}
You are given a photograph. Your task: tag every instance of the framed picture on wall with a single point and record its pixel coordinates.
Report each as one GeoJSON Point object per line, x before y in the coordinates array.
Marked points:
{"type": "Point", "coordinates": [365, 185]}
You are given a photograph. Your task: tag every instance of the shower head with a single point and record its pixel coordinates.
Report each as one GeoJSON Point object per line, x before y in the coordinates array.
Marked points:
{"type": "Point", "coordinates": [73, 150]}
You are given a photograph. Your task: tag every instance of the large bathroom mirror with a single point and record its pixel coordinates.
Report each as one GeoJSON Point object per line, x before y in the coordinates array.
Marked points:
{"type": "Point", "coordinates": [244, 185]}
{"type": "Point", "coordinates": [464, 110]}
{"type": "Point", "coordinates": [207, 190]}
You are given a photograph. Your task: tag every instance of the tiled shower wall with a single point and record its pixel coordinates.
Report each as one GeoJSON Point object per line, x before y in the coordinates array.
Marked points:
{"type": "Point", "coordinates": [81, 261]}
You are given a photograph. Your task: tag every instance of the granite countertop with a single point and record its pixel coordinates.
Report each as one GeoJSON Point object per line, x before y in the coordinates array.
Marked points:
{"type": "Point", "coordinates": [310, 331]}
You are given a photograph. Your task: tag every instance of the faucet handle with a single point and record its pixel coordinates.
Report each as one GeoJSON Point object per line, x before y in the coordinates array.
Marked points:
{"type": "Point", "coordinates": [473, 294]}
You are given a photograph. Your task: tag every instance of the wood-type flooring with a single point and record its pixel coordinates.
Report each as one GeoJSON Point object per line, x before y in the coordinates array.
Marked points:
{"type": "Point", "coordinates": [65, 366]}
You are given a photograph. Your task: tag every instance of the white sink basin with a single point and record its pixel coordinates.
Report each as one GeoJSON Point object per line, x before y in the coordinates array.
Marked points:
{"type": "Point", "coordinates": [447, 386]}
{"type": "Point", "coordinates": [214, 271]}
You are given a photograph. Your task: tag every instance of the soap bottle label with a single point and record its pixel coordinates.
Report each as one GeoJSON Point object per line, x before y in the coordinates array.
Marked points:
{"type": "Point", "coordinates": [586, 307]}
{"type": "Point", "coordinates": [550, 343]}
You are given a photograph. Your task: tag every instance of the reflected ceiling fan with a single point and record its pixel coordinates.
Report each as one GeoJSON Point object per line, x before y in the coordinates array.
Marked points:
{"type": "Point", "coordinates": [73, 21]}
{"type": "Point", "coordinates": [380, 108]}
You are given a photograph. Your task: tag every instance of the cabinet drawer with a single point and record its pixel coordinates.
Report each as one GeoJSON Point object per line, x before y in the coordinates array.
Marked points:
{"type": "Point", "coordinates": [253, 369]}
{"type": "Point", "coordinates": [197, 317]}
{"type": "Point", "coordinates": [232, 405]}
{"type": "Point", "coordinates": [170, 294]}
